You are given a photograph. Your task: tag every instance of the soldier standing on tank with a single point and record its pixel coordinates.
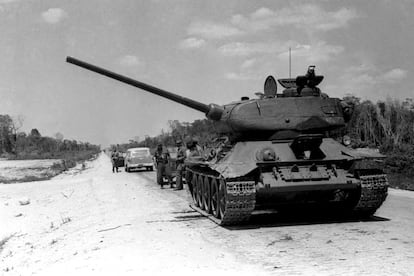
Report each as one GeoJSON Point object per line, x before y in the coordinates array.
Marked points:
{"type": "Point", "coordinates": [180, 165]}
{"type": "Point", "coordinates": [114, 159]}
{"type": "Point", "coordinates": [194, 150]}
{"type": "Point", "coordinates": [162, 158]}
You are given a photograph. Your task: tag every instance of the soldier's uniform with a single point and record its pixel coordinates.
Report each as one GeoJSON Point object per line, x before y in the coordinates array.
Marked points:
{"type": "Point", "coordinates": [194, 150]}
{"type": "Point", "coordinates": [114, 159]}
{"type": "Point", "coordinates": [162, 158]}
{"type": "Point", "coordinates": [181, 154]}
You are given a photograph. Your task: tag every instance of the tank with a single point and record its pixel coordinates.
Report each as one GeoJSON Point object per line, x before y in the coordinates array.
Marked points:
{"type": "Point", "coordinates": [275, 152]}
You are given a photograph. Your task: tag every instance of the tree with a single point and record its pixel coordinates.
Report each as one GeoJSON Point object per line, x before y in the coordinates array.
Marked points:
{"type": "Point", "coordinates": [35, 133]}
{"type": "Point", "coordinates": [408, 103]}
{"type": "Point", "coordinates": [352, 99]}
{"type": "Point", "coordinates": [7, 134]}
{"type": "Point", "coordinates": [59, 136]}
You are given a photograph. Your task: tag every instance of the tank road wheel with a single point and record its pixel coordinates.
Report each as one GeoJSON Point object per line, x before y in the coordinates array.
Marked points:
{"type": "Point", "coordinates": [222, 195]}
{"type": "Point", "coordinates": [206, 195]}
{"type": "Point", "coordinates": [194, 191]}
{"type": "Point", "coordinates": [200, 192]}
{"type": "Point", "coordinates": [214, 197]}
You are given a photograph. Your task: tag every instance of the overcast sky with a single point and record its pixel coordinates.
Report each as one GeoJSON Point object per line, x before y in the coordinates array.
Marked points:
{"type": "Point", "coordinates": [212, 51]}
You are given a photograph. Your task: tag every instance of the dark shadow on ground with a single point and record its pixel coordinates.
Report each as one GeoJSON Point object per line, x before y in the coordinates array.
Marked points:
{"type": "Point", "coordinates": [274, 219]}
{"type": "Point", "coordinates": [139, 170]}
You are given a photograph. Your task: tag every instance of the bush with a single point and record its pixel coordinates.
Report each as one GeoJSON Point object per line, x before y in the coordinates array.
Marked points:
{"type": "Point", "coordinates": [400, 159]}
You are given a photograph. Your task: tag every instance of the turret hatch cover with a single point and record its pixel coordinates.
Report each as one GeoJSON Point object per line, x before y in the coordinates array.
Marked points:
{"type": "Point", "coordinates": [287, 83]}
{"type": "Point", "coordinates": [270, 87]}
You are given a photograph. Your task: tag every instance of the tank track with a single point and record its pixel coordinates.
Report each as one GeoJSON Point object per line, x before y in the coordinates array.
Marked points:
{"type": "Point", "coordinates": [240, 202]}
{"type": "Point", "coordinates": [239, 199]}
{"type": "Point", "coordinates": [374, 190]}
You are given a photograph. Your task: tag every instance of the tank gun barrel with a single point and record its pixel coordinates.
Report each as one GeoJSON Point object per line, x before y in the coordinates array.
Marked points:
{"type": "Point", "coordinates": [212, 111]}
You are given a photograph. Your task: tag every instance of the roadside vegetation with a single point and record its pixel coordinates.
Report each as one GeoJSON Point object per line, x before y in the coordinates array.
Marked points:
{"type": "Point", "coordinates": [387, 126]}
{"type": "Point", "coordinates": [18, 145]}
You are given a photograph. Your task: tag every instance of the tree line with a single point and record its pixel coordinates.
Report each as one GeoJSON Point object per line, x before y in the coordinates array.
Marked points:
{"type": "Point", "coordinates": [203, 131]}
{"type": "Point", "coordinates": [17, 144]}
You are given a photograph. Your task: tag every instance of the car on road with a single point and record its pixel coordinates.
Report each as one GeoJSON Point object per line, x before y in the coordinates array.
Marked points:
{"type": "Point", "coordinates": [138, 158]}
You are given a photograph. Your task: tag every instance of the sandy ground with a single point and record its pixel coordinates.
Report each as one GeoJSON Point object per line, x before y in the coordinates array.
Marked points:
{"type": "Point", "coordinates": [11, 170]}
{"type": "Point", "coordinates": [100, 223]}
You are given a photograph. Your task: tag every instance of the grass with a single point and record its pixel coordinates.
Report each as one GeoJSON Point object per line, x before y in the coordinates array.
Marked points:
{"type": "Point", "coordinates": [28, 178]}
{"type": "Point", "coordinates": [68, 160]}
{"type": "Point", "coordinates": [401, 181]}
{"type": "Point", "coordinates": [65, 155]}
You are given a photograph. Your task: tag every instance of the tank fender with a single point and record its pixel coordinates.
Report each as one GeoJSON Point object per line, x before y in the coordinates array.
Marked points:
{"type": "Point", "coordinates": [239, 161]}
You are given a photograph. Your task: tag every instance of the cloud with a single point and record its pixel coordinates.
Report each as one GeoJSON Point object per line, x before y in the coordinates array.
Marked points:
{"type": "Point", "coordinates": [131, 61]}
{"type": "Point", "coordinates": [367, 81]}
{"type": "Point", "coordinates": [7, 1]}
{"type": "Point", "coordinates": [394, 75]}
{"type": "Point", "coordinates": [254, 69]}
{"type": "Point", "coordinates": [315, 53]}
{"type": "Point", "coordinates": [309, 17]}
{"type": "Point", "coordinates": [247, 70]}
{"type": "Point", "coordinates": [192, 43]}
{"type": "Point", "coordinates": [318, 52]}
{"type": "Point", "coordinates": [53, 15]}
{"type": "Point", "coordinates": [261, 58]}
{"type": "Point", "coordinates": [262, 13]}
{"type": "Point", "coordinates": [248, 63]}
{"type": "Point", "coordinates": [370, 75]}
{"type": "Point", "coordinates": [241, 76]}
{"type": "Point", "coordinates": [247, 49]}
{"type": "Point", "coordinates": [358, 79]}
{"type": "Point", "coordinates": [212, 30]}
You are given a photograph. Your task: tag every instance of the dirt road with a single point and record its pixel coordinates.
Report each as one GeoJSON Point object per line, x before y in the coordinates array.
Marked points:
{"type": "Point", "coordinates": [100, 223]}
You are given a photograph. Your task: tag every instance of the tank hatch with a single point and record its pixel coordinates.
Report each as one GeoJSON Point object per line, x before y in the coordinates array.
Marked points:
{"type": "Point", "coordinates": [287, 83]}
{"type": "Point", "coordinates": [302, 86]}
{"type": "Point", "coordinates": [270, 87]}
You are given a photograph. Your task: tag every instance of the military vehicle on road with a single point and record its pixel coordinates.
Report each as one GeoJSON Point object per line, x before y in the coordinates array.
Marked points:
{"type": "Point", "coordinates": [275, 152]}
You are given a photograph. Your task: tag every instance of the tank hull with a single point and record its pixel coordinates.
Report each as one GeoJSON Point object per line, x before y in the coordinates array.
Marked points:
{"type": "Point", "coordinates": [238, 184]}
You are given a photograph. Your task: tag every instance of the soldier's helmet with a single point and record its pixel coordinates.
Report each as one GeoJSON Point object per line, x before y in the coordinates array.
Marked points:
{"type": "Point", "coordinates": [178, 142]}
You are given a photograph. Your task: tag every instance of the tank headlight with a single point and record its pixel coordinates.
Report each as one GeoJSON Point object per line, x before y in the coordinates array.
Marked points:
{"type": "Point", "coordinates": [346, 140]}
{"type": "Point", "coordinates": [266, 154]}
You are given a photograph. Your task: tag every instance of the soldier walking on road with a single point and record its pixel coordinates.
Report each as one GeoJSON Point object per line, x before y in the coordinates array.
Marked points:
{"type": "Point", "coordinates": [162, 158]}
{"type": "Point", "coordinates": [180, 165]}
{"type": "Point", "coordinates": [114, 159]}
